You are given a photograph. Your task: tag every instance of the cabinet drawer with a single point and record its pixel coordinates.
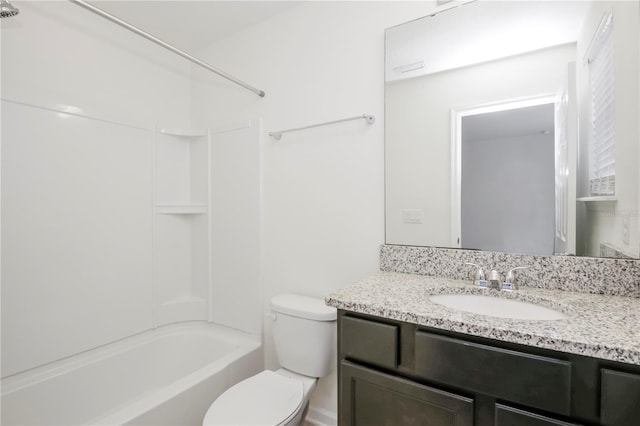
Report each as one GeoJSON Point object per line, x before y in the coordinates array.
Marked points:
{"type": "Point", "coordinates": [619, 398]}
{"type": "Point", "coordinates": [531, 380]}
{"type": "Point", "coordinates": [369, 341]}
{"type": "Point", "coordinates": [508, 416]}
{"type": "Point", "coordinates": [371, 398]}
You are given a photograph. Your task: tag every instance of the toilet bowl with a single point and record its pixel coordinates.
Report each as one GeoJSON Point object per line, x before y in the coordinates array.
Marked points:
{"type": "Point", "coordinates": [274, 398]}
{"type": "Point", "coordinates": [304, 333]}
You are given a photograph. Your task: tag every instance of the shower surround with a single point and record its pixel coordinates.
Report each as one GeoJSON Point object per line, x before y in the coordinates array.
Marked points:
{"type": "Point", "coordinates": [109, 230]}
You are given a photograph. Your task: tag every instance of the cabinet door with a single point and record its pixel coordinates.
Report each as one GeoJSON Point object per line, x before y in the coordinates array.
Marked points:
{"type": "Point", "coordinates": [371, 398]}
{"type": "Point", "coordinates": [620, 398]}
{"type": "Point", "coordinates": [519, 377]}
{"type": "Point", "coordinates": [369, 341]}
{"type": "Point", "coordinates": [508, 416]}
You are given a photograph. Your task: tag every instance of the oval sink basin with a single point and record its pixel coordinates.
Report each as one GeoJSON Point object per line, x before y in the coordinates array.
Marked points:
{"type": "Point", "coordinates": [497, 307]}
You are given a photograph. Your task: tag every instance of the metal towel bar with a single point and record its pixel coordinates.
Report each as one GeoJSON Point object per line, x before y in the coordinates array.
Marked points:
{"type": "Point", "coordinates": [369, 117]}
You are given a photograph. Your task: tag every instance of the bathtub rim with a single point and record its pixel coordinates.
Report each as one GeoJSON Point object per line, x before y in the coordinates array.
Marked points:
{"type": "Point", "coordinates": [127, 414]}
{"type": "Point", "coordinates": [33, 376]}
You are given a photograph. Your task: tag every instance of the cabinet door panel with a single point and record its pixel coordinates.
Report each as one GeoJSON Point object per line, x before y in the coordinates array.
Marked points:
{"type": "Point", "coordinates": [369, 341]}
{"type": "Point", "coordinates": [532, 380]}
{"type": "Point", "coordinates": [507, 416]}
{"type": "Point", "coordinates": [620, 398]}
{"type": "Point", "coordinates": [370, 398]}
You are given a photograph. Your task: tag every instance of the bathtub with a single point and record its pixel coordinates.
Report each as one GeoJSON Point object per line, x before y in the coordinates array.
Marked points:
{"type": "Point", "coordinates": [167, 376]}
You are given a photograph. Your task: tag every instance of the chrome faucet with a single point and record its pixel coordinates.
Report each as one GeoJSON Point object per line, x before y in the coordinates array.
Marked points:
{"type": "Point", "coordinates": [478, 278]}
{"type": "Point", "coordinates": [509, 283]}
{"type": "Point", "coordinates": [493, 280]}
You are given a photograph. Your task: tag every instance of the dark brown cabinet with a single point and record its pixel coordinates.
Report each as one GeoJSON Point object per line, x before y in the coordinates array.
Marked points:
{"type": "Point", "coordinates": [378, 399]}
{"type": "Point", "coordinates": [395, 373]}
{"type": "Point", "coordinates": [620, 398]}
{"type": "Point", "coordinates": [356, 341]}
{"type": "Point", "coordinates": [531, 380]}
{"type": "Point", "coordinates": [509, 416]}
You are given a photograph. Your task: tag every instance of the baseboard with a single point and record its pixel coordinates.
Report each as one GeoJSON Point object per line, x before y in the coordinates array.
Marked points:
{"type": "Point", "coordinates": [321, 417]}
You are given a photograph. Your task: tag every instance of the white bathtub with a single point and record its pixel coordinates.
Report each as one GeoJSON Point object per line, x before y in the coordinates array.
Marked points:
{"type": "Point", "coordinates": [168, 376]}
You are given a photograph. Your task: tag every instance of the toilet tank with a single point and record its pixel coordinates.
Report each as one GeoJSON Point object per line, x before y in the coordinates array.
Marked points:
{"type": "Point", "coordinates": [304, 332]}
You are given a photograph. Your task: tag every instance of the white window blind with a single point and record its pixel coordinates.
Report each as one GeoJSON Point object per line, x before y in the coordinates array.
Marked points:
{"type": "Point", "coordinates": [602, 161]}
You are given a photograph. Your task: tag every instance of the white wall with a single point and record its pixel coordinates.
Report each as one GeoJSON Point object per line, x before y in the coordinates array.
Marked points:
{"type": "Point", "coordinates": [323, 200]}
{"type": "Point", "coordinates": [77, 190]}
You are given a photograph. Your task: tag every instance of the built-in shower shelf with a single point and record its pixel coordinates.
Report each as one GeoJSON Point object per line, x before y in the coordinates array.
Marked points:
{"type": "Point", "coordinates": [182, 209]}
{"type": "Point", "coordinates": [598, 198]}
{"type": "Point", "coordinates": [182, 196]}
{"type": "Point", "coordinates": [185, 133]}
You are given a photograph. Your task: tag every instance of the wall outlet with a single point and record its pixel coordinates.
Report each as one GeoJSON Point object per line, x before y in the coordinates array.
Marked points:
{"type": "Point", "coordinates": [625, 229]}
{"type": "Point", "coordinates": [412, 216]}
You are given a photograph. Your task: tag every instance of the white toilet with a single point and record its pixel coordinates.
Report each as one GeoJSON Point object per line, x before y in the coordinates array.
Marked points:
{"type": "Point", "coordinates": [304, 332]}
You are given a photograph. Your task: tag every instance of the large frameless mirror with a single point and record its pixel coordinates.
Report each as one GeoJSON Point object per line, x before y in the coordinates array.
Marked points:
{"type": "Point", "coordinates": [513, 127]}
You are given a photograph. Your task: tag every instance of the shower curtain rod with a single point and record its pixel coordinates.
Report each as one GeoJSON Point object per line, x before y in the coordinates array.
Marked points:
{"type": "Point", "coordinates": [167, 46]}
{"type": "Point", "coordinates": [369, 117]}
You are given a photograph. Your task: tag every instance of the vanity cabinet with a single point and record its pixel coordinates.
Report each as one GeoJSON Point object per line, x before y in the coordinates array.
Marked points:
{"type": "Point", "coordinates": [396, 373]}
{"type": "Point", "coordinates": [379, 399]}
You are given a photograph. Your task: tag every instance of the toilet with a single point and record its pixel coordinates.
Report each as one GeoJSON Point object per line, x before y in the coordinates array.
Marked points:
{"type": "Point", "coordinates": [304, 333]}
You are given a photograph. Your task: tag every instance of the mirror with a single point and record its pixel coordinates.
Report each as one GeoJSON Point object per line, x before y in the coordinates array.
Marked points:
{"type": "Point", "coordinates": [513, 127]}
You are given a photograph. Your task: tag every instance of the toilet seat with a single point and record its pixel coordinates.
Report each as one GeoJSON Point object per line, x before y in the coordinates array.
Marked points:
{"type": "Point", "coordinates": [264, 399]}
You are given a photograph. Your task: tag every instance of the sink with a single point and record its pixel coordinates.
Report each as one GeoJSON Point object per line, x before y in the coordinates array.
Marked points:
{"type": "Point", "coordinates": [497, 307]}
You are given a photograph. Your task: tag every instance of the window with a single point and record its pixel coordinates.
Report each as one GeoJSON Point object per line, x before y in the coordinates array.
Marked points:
{"type": "Point", "coordinates": [602, 161]}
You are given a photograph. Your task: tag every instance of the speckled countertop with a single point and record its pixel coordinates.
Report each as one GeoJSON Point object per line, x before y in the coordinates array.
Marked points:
{"type": "Point", "coordinates": [599, 326]}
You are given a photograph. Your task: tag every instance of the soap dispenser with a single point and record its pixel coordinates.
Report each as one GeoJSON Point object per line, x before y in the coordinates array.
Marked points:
{"type": "Point", "coordinates": [478, 279]}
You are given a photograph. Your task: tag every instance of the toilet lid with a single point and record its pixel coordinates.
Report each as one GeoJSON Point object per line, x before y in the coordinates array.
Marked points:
{"type": "Point", "coordinates": [264, 399]}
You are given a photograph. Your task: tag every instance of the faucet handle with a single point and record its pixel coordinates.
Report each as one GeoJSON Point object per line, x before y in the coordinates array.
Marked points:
{"type": "Point", "coordinates": [494, 279]}
{"type": "Point", "coordinates": [479, 269]}
{"type": "Point", "coordinates": [510, 281]}
{"type": "Point", "coordinates": [478, 279]}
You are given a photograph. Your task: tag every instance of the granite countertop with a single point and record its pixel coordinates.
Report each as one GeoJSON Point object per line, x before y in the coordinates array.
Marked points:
{"type": "Point", "coordinates": [598, 326]}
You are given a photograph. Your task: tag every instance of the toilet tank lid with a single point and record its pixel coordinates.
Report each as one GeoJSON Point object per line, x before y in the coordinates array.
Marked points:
{"type": "Point", "coordinates": [303, 307]}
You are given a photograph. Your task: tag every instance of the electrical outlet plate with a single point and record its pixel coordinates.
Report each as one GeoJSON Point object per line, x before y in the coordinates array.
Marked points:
{"type": "Point", "coordinates": [412, 216]}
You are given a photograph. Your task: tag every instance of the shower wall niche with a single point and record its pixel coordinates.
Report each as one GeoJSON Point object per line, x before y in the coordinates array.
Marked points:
{"type": "Point", "coordinates": [182, 223]}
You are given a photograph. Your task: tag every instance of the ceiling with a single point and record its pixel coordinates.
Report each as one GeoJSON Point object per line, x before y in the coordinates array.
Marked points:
{"type": "Point", "coordinates": [192, 25]}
